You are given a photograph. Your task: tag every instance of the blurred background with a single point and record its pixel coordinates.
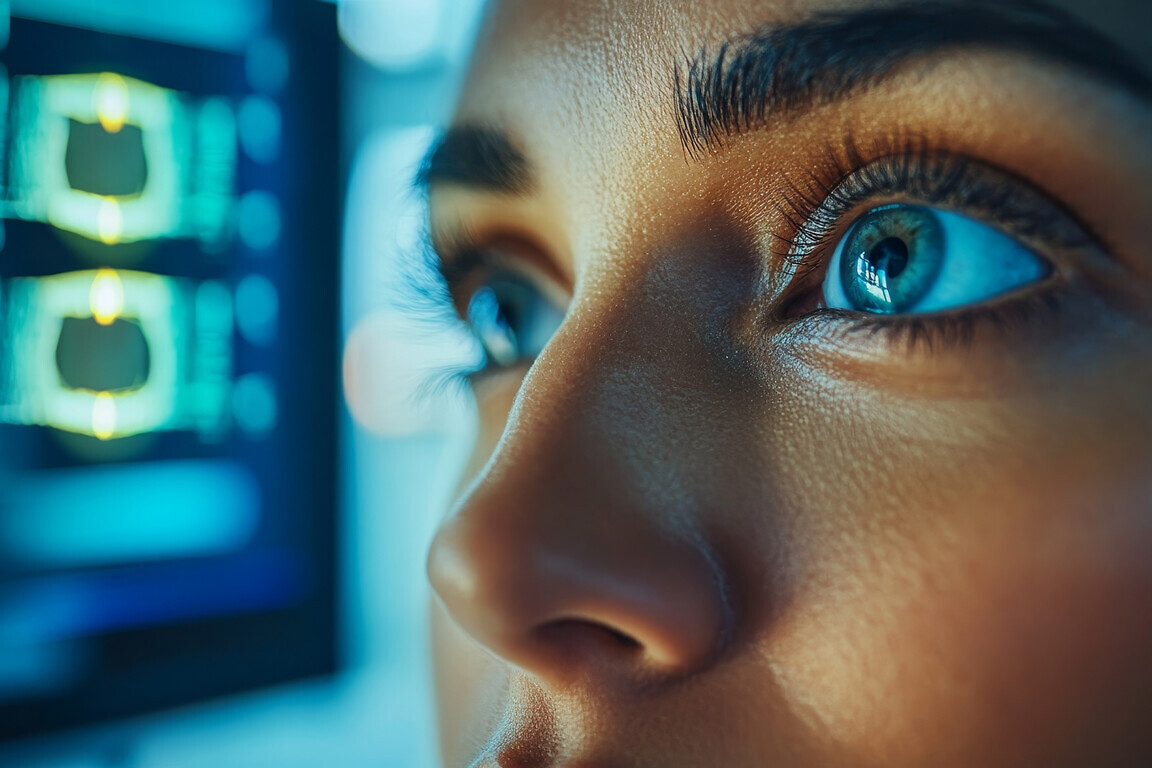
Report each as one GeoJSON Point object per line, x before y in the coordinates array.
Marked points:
{"type": "Point", "coordinates": [222, 448]}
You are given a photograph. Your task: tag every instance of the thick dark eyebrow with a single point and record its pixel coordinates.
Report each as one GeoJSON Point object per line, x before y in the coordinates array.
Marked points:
{"type": "Point", "coordinates": [475, 156]}
{"type": "Point", "coordinates": [787, 70]}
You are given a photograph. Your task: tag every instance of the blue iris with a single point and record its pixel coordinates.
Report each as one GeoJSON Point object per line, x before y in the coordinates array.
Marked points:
{"type": "Point", "coordinates": [512, 320]}
{"type": "Point", "coordinates": [900, 259]}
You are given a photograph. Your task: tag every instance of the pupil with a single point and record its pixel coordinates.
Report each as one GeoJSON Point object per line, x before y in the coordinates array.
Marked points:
{"type": "Point", "coordinates": [506, 315]}
{"type": "Point", "coordinates": [890, 256]}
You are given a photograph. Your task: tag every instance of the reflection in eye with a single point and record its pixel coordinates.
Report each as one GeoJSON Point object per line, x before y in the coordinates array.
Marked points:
{"type": "Point", "coordinates": [512, 320]}
{"type": "Point", "coordinates": [914, 259]}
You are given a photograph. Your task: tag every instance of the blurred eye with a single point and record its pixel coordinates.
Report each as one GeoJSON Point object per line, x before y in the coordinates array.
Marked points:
{"type": "Point", "coordinates": [912, 259]}
{"type": "Point", "coordinates": [512, 320]}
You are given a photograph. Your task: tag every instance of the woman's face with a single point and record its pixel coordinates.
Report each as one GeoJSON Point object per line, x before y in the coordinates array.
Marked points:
{"type": "Point", "coordinates": [816, 424]}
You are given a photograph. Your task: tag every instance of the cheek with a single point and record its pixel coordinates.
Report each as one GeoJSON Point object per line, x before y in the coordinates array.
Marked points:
{"type": "Point", "coordinates": [983, 593]}
{"type": "Point", "coordinates": [990, 656]}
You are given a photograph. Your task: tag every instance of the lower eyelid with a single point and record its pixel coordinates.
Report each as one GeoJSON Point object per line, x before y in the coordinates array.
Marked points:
{"type": "Point", "coordinates": [994, 322]}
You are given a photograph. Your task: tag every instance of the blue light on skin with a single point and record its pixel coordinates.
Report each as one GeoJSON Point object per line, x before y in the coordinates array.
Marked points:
{"type": "Point", "coordinates": [93, 516]}
{"type": "Point", "coordinates": [978, 263]}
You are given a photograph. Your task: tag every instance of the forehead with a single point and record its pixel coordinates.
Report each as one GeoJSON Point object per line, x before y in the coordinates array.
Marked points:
{"type": "Point", "coordinates": [586, 90]}
{"type": "Point", "coordinates": [583, 59]}
{"type": "Point", "coordinates": [586, 86]}
{"type": "Point", "coordinates": [581, 84]}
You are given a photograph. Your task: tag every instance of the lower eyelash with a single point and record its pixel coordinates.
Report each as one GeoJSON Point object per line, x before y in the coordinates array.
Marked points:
{"type": "Point", "coordinates": [959, 329]}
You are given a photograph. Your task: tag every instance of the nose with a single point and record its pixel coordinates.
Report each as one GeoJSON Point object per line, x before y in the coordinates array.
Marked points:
{"type": "Point", "coordinates": [560, 559]}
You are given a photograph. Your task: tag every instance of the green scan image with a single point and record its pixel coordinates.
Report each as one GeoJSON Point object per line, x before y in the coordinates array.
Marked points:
{"type": "Point", "coordinates": [119, 160]}
{"type": "Point", "coordinates": [111, 353]}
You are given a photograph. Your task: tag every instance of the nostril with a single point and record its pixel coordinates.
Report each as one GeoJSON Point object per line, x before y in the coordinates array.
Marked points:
{"type": "Point", "coordinates": [582, 641]}
{"type": "Point", "coordinates": [560, 605]}
{"type": "Point", "coordinates": [624, 640]}
{"type": "Point", "coordinates": [571, 626]}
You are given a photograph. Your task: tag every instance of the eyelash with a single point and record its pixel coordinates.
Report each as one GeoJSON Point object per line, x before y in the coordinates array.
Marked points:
{"type": "Point", "coordinates": [818, 209]}
{"type": "Point", "coordinates": [909, 168]}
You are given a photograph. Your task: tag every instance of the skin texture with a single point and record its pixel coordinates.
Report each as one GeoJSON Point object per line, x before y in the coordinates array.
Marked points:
{"type": "Point", "coordinates": [695, 533]}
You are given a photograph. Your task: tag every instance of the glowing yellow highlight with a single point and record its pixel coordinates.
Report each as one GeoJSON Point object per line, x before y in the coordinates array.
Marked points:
{"type": "Point", "coordinates": [109, 221]}
{"type": "Point", "coordinates": [110, 98]}
{"type": "Point", "coordinates": [106, 298]}
{"type": "Point", "coordinates": [104, 416]}
{"type": "Point", "coordinates": [189, 148]}
{"type": "Point", "coordinates": [38, 309]}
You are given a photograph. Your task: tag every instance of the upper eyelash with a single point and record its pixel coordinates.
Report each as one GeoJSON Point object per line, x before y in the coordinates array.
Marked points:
{"type": "Point", "coordinates": [428, 300]}
{"type": "Point", "coordinates": [426, 295]}
{"type": "Point", "coordinates": [431, 276]}
{"type": "Point", "coordinates": [816, 211]}
{"type": "Point", "coordinates": [814, 208]}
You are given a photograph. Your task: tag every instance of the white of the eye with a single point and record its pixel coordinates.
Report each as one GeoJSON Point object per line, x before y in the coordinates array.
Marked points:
{"type": "Point", "coordinates": [979, 263]}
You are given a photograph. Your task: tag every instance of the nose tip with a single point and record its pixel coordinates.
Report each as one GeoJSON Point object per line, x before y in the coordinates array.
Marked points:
{"type": "Point", "coordinates": [557, 602]}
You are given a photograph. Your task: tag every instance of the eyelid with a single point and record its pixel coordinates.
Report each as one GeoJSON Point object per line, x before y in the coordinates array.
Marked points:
{"type": "Point", "coordinates": [822, 209]}
{"type": "Point", "coordinates": [524, 229]}
{"type": "Point", "coordinates": [832, 198]}
{"type": "Point", "coordinates": [464, 258]}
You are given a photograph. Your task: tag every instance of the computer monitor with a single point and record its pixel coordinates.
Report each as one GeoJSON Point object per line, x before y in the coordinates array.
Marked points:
{"type": "Point", "coordinates": [168, 354]}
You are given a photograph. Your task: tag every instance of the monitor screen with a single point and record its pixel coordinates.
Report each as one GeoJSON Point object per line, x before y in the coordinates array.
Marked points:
{"type": "Point", "coordinates": [168, 354]}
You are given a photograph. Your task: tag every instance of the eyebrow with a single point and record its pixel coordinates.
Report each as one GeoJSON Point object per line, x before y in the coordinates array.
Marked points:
{"type": "Point", "coordinates": [791, 69]}
{"type": "Point", "coordinates": [476, 156]}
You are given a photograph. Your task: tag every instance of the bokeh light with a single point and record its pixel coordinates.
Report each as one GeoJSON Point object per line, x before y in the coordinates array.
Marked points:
{"type": "Point", "coordinates": [257, 309]}
{"type": "Point", "coordinates": [259, 123]}
{"type": "Point", "coordinates": [258, 219]}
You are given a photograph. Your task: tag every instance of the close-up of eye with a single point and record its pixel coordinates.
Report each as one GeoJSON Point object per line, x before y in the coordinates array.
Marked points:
{"type": "Point", "coordinates": [926, 243]}
{"type": "Point", "coordinates": [899, 259]}
{"type": "Point", "coordinates": [511, 318]}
